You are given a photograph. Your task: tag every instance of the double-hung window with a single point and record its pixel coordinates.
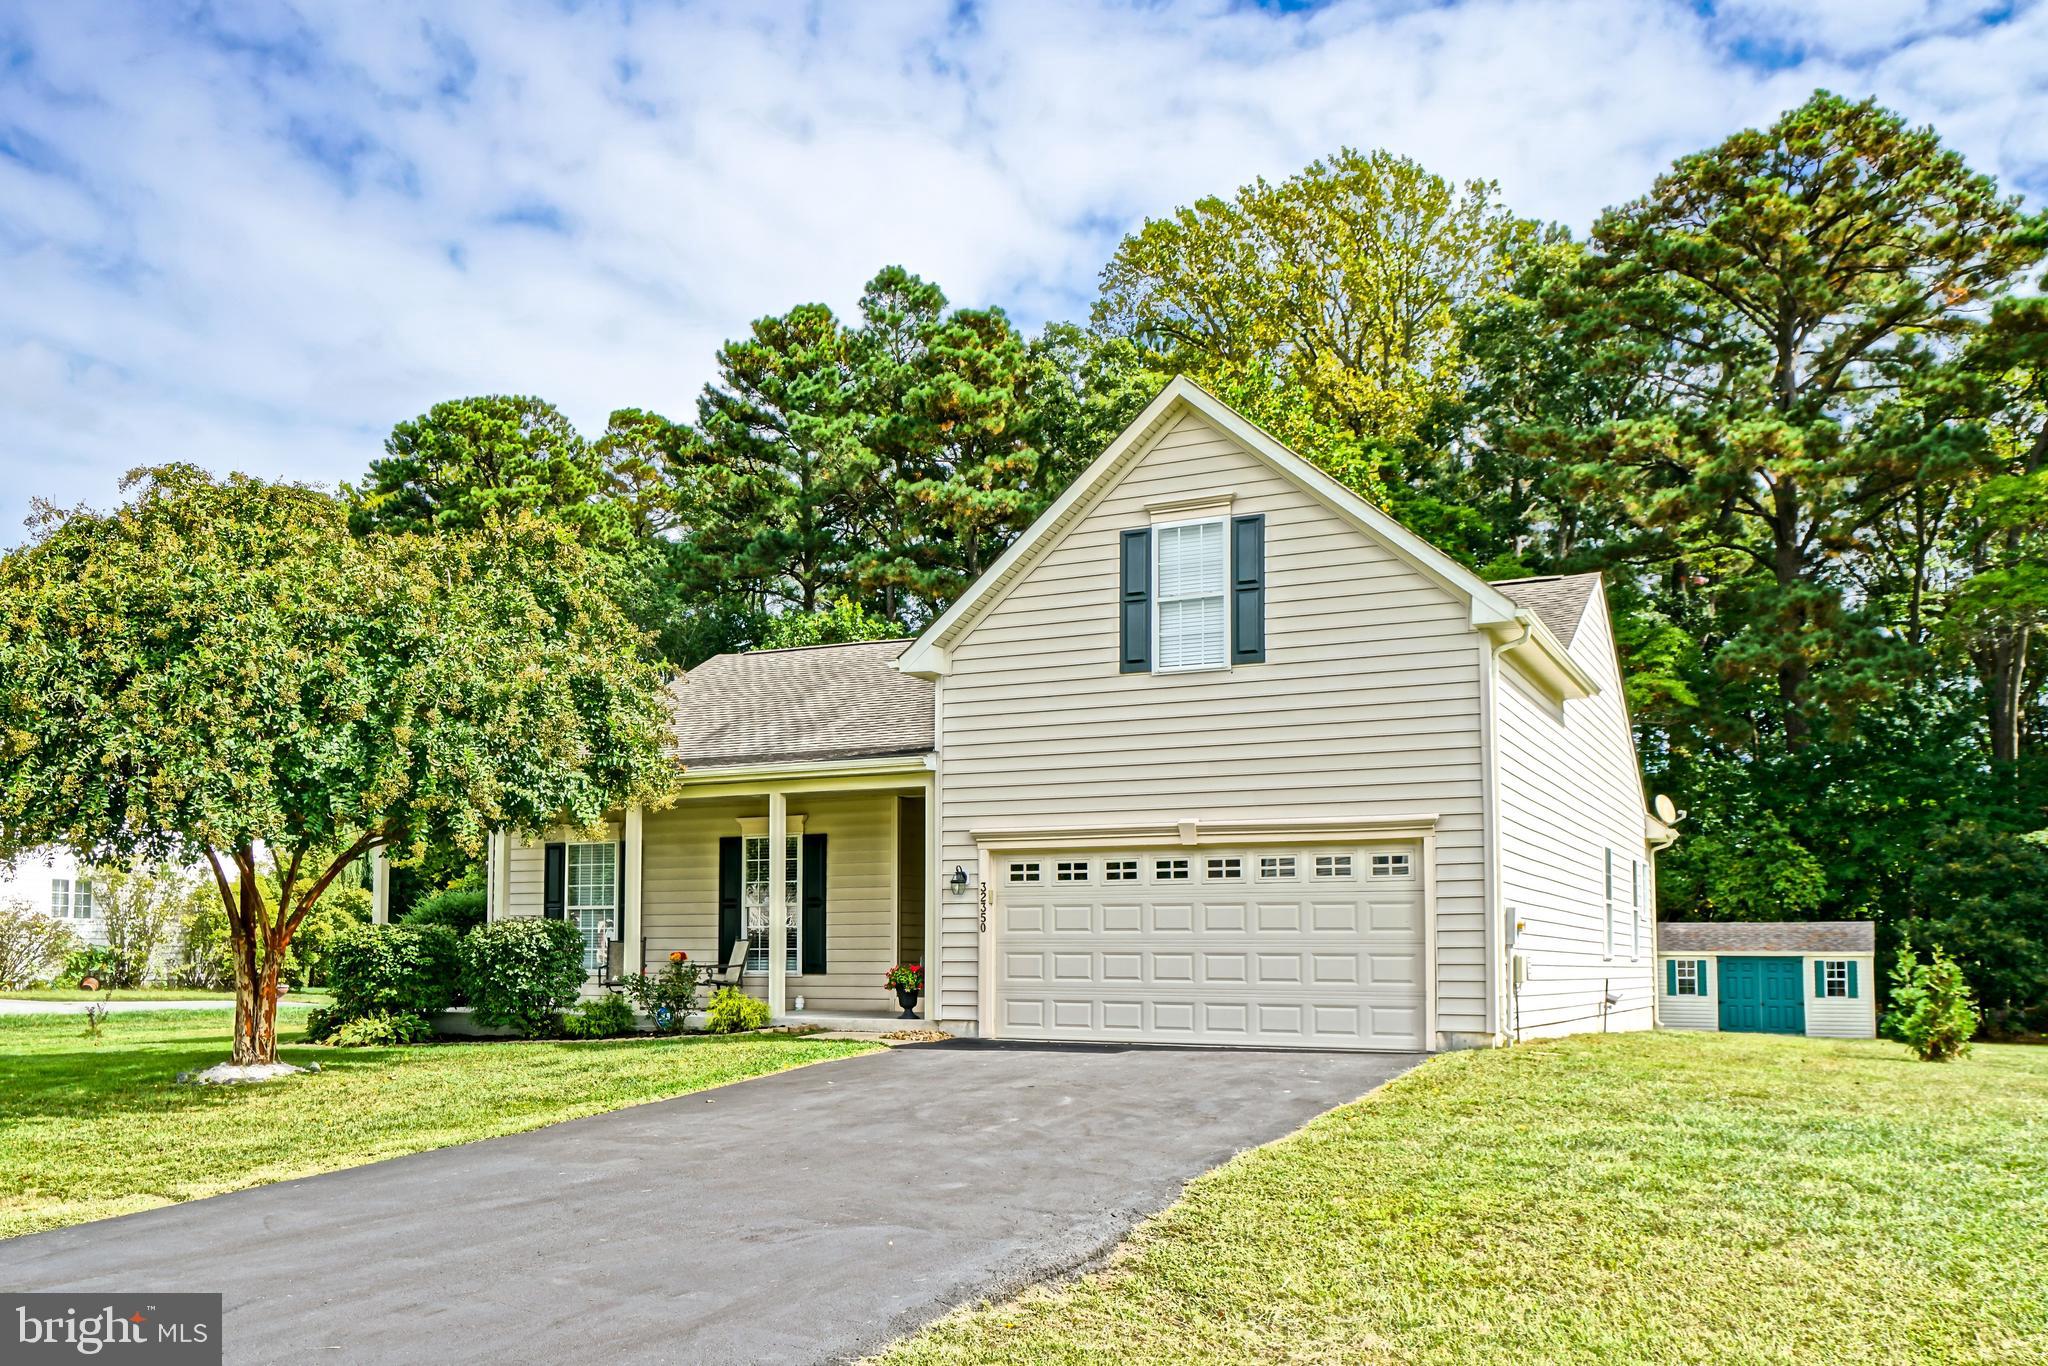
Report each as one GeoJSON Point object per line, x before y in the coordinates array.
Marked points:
{"type": "Point", "coordinates": [754, 892]}
{"type": "Point", "coordinates": [1190, 573]}
{"type": "Point", "coordinates": [593, 897]}
{"type": "Point", "coordinates": [60, 897]}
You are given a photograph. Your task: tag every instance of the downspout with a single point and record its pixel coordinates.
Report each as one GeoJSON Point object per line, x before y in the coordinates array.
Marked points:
{"type": "Point", "coordinates": [1498, 950]}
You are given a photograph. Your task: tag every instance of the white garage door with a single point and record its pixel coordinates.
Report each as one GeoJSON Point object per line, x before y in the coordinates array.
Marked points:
{"type": "Point", "coordinates": [1314, 946]}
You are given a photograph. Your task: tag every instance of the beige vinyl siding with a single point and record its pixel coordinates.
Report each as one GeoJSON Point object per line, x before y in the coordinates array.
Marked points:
{"type": "Point", "coordinates": [1839, 1017]}
{"type": "Point", "coordinates": [1569, 792]}
{"type": "Point", "coordinates": [679, 906]}
{"type": "Point", "coordinates": [1368, 704]}
{"type": "Point", "coordinates": [1690, 1012]}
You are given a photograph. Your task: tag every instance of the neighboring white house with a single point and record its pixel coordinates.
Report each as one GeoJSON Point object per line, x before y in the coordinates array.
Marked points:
{"type": "Point", "coordinates": [1217, 752]}
{"type": "Point", "coordinates": [1814, 977]}
{"type": "Point", "coordinates": [51, 882]}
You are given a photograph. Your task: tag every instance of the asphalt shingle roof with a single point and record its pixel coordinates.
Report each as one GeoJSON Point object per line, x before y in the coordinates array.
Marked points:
{"type": "Point", "coordinates": [1558, 600]}
{"type": "Point", "coordinates": [818, 702]}
{"type": "Point", "coordinates": [1780, 936]}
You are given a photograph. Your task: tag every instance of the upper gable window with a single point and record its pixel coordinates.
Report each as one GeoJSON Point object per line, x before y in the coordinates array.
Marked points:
{"type": "Point", "coordinates": [1191, 578]}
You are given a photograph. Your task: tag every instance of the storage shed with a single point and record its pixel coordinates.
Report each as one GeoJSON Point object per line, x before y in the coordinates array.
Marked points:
{"type": "Point", "coordinates": [1813, 977]}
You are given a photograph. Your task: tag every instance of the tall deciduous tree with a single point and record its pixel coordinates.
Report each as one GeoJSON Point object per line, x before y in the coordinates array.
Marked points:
{"type": "Point", "coordinates": [218, 671]}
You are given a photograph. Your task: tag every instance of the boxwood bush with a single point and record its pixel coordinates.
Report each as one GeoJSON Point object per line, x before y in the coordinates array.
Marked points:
{"type": "Point", "coordinates": [461, 909]}
{"type": "Point", "coordinates": [393, 969]}
{"type": "Point", "coordinates": [520, 974]}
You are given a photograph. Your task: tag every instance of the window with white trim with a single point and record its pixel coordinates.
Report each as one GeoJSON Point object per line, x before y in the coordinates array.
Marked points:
{"type": "Point", "coordinates": [1170, 869]}
{"type": "Point", "coordinates": [755, 891]}
{"type": "Point", "coordinates": [1834, 977]}
{"type": "Point", "coordinates": [1607, 944]}
{"type": "Point", "coordinates": [81, 899]}
{"type": "Point", "coordinates": [1070, 871]}
{"type": "Point", "coordinates": [1390, 865]}
{"type": "Point", "coordinates": [1120, 870]}
{"type": "Point", "coordinates": [1333, 865]}
{"type": "Point", "coordinates": [1687, 977]}
{"type": "Point", "coordinates": [593, 897]}
{"type": "Point", "coordinates": [1224, 869]}
{"type": "Point", "coordinates": [1024, 872]}
{"type": "Point", "coordinates": [1190, 582]}
{"type": "Point", "coordinates": [60, 897]}
{"type": "Point", "coordinates": [1276, 865]}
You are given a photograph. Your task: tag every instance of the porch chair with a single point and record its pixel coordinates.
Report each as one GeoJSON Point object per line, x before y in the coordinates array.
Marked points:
{"type": "Point", "coordinates": [728, 973]}
{"type": "Point", "coordinates": [615, 971]}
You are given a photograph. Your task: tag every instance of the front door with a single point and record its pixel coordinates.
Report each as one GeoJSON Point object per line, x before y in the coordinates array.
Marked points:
{"type": "Point", "coordinates": [1763, 995]}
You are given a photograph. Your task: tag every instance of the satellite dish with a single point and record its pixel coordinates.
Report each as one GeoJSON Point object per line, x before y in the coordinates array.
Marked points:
{"type": "Point", "coordinates": [1666, 811]}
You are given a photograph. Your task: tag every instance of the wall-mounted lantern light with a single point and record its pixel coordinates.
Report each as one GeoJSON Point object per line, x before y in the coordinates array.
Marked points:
{"type": "Point", "coordinates": [959, 879]}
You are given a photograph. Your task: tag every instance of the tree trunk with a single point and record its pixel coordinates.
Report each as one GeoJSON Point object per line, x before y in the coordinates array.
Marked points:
{"type": "Point", "coordinates": [255, 977]}
{"type": "Point", "coordinates": [2008, 688]}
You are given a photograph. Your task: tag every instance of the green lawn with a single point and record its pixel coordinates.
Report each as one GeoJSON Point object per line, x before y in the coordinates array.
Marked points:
{"type": "Point", "coordinates": [1639, 1198]}
{"type": "Point", "coordinates": [316, 998]}
{"type": "Point", "coordinates": [92, 1129]}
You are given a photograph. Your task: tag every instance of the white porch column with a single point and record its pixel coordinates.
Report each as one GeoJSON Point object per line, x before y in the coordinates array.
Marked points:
{"type": "Point", "coordinates": [501, 874]}
{"type": "Point", "coordinates": [380, 888]}
{"type": "Point", "coordinates": [778, 908]}
{"type": "Point", "coordinates": [636, 860]}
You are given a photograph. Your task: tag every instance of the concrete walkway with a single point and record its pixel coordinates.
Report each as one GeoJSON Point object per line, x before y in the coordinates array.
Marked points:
{"type": "Point", "coordinates": [122, 1007]}
{"type": "Point", "coordinates": [809, 1216]}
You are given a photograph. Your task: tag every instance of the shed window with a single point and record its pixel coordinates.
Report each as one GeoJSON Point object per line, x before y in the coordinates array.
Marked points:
{"type": "Point", "coordinates": [1170, 869]}
{"type": "Point", "coordinates": [1688, 978]}
{"type": "Point", "coordinates": [1076, 871]}
{"type": "Point", "coordinates": [1834, 973]}
{"type": "Point", "coordinates": [1190, 580]}
{"type": "Point", "coordinates": [1120, 870]}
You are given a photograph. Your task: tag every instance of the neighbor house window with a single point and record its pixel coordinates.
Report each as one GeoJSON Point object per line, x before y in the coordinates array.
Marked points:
{"type": "Point", "coordinates": [755, 890]}
{"type": "Point", "coordinates": [1607, 946]}
{"type": "Point", "coordinates": [1225, 869]}
{"type": "Point", "coordinates": [1279, 865]}
{"type": "Point", "coordinates": [1170, 869]}
{"type": "Point", "coordinates": [593, 896]}
{"type": "Point", "coordinates": [1834, 975]}
{"type": "Point", "coordinates": [1190, 580]}
{"type": "Point", "coordinates": [1333, 865]}
{"type": "Point", "coordinates": [1120, 870]}
{"type": "Point", "coordinates": [81, 899]}
{"type": "Point", "coordinates": [60, 897]}
{"type": "Point", "coordinates": [1070, 872]}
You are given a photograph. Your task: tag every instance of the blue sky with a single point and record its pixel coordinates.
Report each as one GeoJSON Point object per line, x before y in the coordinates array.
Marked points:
{"type": "Point", "coordinates": [256, 235]}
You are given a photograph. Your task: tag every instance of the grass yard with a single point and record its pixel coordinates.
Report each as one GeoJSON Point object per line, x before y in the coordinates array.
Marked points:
{"type": "Point", "coordinates": [89, 1130]}
{"type": "Point", "coordinates": [316, 998]}
{"type": "Point", "coordinates": [1641, 1198]}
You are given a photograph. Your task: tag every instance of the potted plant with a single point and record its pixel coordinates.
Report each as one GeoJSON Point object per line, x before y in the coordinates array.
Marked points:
{"type": "Point", "coordinates": [907, 981]}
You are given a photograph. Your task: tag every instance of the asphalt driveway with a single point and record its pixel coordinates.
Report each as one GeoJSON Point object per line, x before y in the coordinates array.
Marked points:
{"type": "Point", "coordinates": [809, 1216]}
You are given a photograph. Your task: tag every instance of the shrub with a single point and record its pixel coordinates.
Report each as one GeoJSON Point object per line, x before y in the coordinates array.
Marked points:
{"type": "Point", "coordinates": [32, 946]}
{"type": "Point", "coordinates": [339, 910]}
{"type": "Point", "coordinates": [139, 909]}
{"type": "Point", "coordinates": [393, 969]}
{"type": "Point", "coordinates": [381, 1029]}
{"type": "Point", "coordinates": [732, 1011]}
{"type": "Point", "coordinates": [90, 963]}
{"type": "Point", "coordinates": [519, 974]}
{"type": "Point", "coordinates": [601, 1017]}
{"type": "Point", "coordinates": [1932, 1011]}
{"type": "Point", "coordinates": [461, 909]}
{"type": "Point", "coordinates": [666, 997]}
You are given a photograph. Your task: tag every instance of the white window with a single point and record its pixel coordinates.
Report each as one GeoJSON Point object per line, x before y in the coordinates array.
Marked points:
{"type": "Point", "coordinates": [1834, 977]}
{"type": "Point", "coordinates": [1390, 865]}
{"type": "Point", "coordinates": [754, 894]}
{"type": "Point", "coordinates": [1024, 872]}
{"type": "Point", "coordinates": [81, 899]}
{"type": "Point", "coordinates": [593, 897]}
{"type": "Point", "coordinates": [1688, 977]}
{"type": "Point", "coordinates": [1224, 869]}
{"type": "Point", "coordinates": [1170, 869]}
{"type": "Point", "coordinates": [1071, 872]}
{"type": "Point", "coordinates": [1607, 945]}
{"type": "Point", "coordinates": [1333, 865]}
{"type": "Point", "coordinates": [1120, 870]}
{"type": "Point", "coordinates": [1190, 576]}
{"type": "Point", "coordinates": [1277, 865]}
{"type": "Point", "coordinates": [60, 897]}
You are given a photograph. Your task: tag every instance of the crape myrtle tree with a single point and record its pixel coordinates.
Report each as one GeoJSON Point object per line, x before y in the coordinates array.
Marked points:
{"type": "Point", "coordinates": [219, 672]}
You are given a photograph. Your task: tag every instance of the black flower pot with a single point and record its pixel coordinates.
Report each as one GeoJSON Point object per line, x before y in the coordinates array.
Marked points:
{"type": "Point", "coordinates": [908, 1000]}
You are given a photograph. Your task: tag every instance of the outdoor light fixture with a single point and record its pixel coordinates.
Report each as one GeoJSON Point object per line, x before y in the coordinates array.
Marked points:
{"type": "Point", "coordinates": [959, 879]}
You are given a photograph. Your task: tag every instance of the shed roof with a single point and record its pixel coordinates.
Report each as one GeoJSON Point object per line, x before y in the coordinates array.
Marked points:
{"type": "Point", "coordinates": [811, 703]}
{"type": "Point", "coordinates": [1558, 600]}
{"type": "Point", "coordinates": [1775, 936]}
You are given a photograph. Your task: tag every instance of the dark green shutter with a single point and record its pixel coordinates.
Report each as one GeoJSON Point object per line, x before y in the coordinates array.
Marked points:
{"type": "Point", "coordinates": [1703, 977]}
{"type": "Point", "coordinates": [554, 888]}
{"type": "Point", "coordinates": [1852, 979]}
{"type": "Point", "coordinates": [1137, 602]}
{"type": "Point", "coordinates": [813, 891]}
{"type": "Point", "coordinates": [1671, 977]}
{"type": "Point", "coordinates": [728, 896]}
{"type": "Point", "coordinates": [1248, 590]}
{"type": "Point", "coordinates": [1820, 978]}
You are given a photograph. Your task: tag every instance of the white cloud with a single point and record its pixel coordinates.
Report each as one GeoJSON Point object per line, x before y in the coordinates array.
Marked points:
{"type": "Point", "coordinates": [260, 243]}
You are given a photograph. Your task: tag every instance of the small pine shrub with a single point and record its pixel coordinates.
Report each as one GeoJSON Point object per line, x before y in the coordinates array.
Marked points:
{"type": "Point", "coordinates": [601, 1017]}
{"type": "Point", "coordinates": [1932, 1011]}
{"type": "Point", "coordinates": [733, 1011]}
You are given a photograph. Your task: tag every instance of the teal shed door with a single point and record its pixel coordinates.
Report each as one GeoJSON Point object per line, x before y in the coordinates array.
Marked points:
{"type": "Point", "coordinates": [1763, 995]}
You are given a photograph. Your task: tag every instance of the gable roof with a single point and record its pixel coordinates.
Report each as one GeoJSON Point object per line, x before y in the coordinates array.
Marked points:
{"type": "Point", "coordinates": [1490, 608]}
{"type": "Point", "coordinates": [814, 702]}
{"type": "Point", "coordinates": [1778, 936]}
{"type": "Point", "coordinates": [1558, 600]}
